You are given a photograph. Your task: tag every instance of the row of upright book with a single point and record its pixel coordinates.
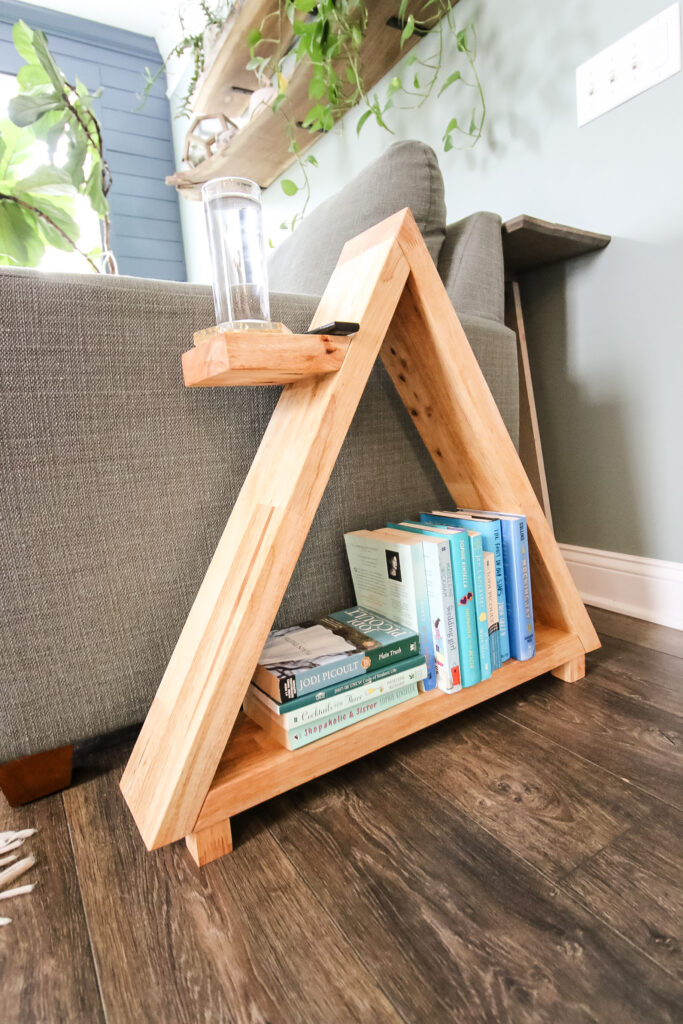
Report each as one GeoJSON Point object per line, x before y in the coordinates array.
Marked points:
{"type": "Point", "coordinates": [442, 601]}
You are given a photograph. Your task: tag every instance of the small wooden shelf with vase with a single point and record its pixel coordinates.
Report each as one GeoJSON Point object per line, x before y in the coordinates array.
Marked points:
{"type": "Point", "coordinates": [198, 760]}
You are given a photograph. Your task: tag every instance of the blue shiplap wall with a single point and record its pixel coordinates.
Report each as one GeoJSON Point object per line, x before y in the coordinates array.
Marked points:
{"type": "Point", "coordinates": [146, 233]}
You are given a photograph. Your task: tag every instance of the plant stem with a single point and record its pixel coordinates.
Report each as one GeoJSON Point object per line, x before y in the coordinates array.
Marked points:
{"type": "Point", "coordinates": [49, 220]}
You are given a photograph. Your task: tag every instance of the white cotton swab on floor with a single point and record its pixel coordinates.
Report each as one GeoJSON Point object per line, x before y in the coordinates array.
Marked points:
{"type": "Point", "coordinates": [5, 920]}
{"type": "Point", "coordinates": [20, 890]}
{"type": "Point", "coordinates": [8, 860]}
{"type": "Point", "coordinates": [24, 833]}
{"type": "Point", "coordinates": [15, 870]}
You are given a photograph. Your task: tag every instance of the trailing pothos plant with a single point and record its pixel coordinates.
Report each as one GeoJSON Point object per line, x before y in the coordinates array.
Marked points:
{"type": "Point", "coordinates": [37, 207]}
{"type": "Point", "coordinates": [330, 35]}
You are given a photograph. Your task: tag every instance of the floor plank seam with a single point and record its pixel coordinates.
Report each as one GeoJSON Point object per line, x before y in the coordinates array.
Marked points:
{"type": "Point", "coordinates": [338, 927]}
{"type": "Point", "coordinates": [98, 979]}
{"type": "Point", "coordinates": [629, 782]}
{"type": "Point", "coordinates": [555, 883]}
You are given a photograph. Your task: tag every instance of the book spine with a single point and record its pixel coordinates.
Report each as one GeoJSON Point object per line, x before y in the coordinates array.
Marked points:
{"type": "Point", "coordinates": [437, 612]}
{"type": "Point", "coordinates": [470, 672]}
{"type": "Point", "coordinates": [307, 680]}
{"type": "Point", "coordinates": [476, 554]}
{"type": "Point", "coordinates": [504, 634]}
{"type": "Point", "coordinates": [315, 697]}
{"type": "Point", "coordinates": [492, 608]}
{"type": "Point", "coordinates": [518, 588]}
{"type": "Point", "coordinates": [333, 723]}
{"type": "Point", "coordinates": [322, 709]}
{"type": "Point", "coordinates": [423, 616]}
{"type": "Point", "coordinates": [449, 628]}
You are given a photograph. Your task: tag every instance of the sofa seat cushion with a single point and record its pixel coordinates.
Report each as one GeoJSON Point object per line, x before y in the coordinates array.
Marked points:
{"type": "Point", "coordinates": [407, 174]}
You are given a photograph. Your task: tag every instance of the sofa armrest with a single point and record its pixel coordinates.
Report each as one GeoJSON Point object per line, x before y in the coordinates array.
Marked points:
{"type": "Point", "coordinates": [471, 266]}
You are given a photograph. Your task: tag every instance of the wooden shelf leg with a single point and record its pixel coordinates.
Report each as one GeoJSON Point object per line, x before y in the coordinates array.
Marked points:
{"type": "Point", "coordinates": [572, 671]}
{"type": "Point", "coordinates": [210, 843]}
{"type": "Point", "coordinates": [29, 778]}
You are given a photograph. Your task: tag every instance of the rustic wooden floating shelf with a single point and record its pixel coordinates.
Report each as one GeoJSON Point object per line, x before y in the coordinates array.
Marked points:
{"type": "Point", "coordinates": [261, 149]}
{"type": "Point", "coordinates": [250, 357]}
{"type": "Point", "coordinates": [197, 761]}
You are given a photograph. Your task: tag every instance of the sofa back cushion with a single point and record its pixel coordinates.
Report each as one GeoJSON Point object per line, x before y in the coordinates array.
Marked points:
{"type": "Point", "coordinates": [471, 266]}
{"type": "Point", "coordinates": [407, 174]}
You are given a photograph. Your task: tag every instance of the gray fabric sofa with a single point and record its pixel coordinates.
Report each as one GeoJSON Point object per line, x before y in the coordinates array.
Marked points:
{"type": "Point", "coordinates": [116, 481]}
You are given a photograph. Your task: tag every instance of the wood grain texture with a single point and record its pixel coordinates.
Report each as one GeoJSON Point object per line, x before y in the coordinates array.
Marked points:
{"type": "Point", "coordinates": [572, 671]}
{"type": "Point", "coordinates": [625, 735]}
{"type": "Point", "coordinates": [242, 941]}
{"type": "Point", "coordinates": [529, 243]}
{"type": "Point", "coordinates": [530, 448]}
{"type": "Point", "coordinates": [30, 778]}
{"type": "Point", "coordinates": [644, 677]}
{"type": "Point", "coordinates": [456, 927]}
{"type": "Point", "coordinates": [636, 631]}
{"type": "Point", "coordinates": [443, 388]}
{"type": "Point", "coordinates": [229, 360]}
{"type": "Point", "coordinates": [634, 884]}
{"type": "Point", "coordinates": [544, 804]}
{"type": "Point", "coordinates": [210, 843]}
{"type": "Point", "coordinates": [260, 150]}
{"type": "Point", "coordinates": [46, 968]}
{"type": "Point", "coordinates": [255, 767]}
{"type": "Point", "coordinates": [195, 708]}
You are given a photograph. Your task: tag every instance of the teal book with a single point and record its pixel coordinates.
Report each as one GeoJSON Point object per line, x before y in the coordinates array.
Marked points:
{"type": "Point", "coordinates": [492, 541]}
{"type": "Point", "coordinates": [346, 686]}
{"type": "Point", "coordinates": [480, 611]}
{"type": "Point", "coordinates": [389, 577]}
{"type": "Point", "coordinates": [345, 645]}
{"type": "Point", "coordinates": [311, 731]}
{"type": "Point", "coordinates": [461, 566]}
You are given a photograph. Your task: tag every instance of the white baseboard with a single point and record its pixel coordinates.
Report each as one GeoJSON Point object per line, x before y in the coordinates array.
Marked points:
{"type": "Point", "coordinates": [645, 588]}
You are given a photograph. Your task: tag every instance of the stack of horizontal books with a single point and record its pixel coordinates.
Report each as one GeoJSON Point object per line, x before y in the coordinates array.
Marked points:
{"type": "Point", "coordinates": [317, 678]}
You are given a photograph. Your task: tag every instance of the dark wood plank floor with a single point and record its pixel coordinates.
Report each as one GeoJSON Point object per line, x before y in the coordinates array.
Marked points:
{"type": "Point", "coordinates": [519, 863]}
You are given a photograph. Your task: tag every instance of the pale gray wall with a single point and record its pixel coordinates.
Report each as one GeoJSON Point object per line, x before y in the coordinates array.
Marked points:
{"type": "Point", "coordinates": [605, 332]}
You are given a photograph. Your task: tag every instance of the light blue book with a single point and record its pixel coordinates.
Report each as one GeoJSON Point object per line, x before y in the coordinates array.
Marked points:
{"type": "Point", "coordinates": [491, 541]}
{"type": "Point", "coordinates": [463, 589]}
{"type": "Point", "coordinates": [437, 554]}
{"type": "Point", "coordinates": [389, 577]}
{"type": "Point", "coordinates": [476, 552]}
{"type": "Point", "coordinates": [517, 581]}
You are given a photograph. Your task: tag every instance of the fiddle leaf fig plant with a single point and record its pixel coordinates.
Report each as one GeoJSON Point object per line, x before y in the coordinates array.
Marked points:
{"type": "Point", "coordinates": [37, 203]}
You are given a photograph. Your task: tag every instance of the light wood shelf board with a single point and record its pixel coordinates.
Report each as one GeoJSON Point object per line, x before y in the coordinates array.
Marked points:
{"type": "Point", "coordinates": [242, 358]}
{"type": "Point", "coordinates": [255, 767]}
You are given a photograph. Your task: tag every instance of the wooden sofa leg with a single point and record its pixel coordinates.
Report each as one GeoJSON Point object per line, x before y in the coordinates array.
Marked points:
{"type": "Point", "coordinates": [572, 671]}
{"type": "Point", "coordinates": [210, 843]}
{"type": "Point", "coordinates": [29, 778]}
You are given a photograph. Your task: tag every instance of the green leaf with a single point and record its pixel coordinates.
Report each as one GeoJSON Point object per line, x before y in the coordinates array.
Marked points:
{"type": "Point", "coordinates": [46, 180]}
{"type": "Point", "coordinates": [93, 190]}
{"type": "Point", "coordinates": [288, 187]}
{"type": "Point", "coordinates": [20, 242]}
{"type": "Point", "coordinates": [75, 158]}
{"type": "Point", "coordinates": [452, 126]}
{"type": "Point", "coordinates": [254, 37]}
{"type": "Point", "coordinates": [351, 75]}
{"type": "Point", "coordinates": [449, 81]}
{"type": "Point", "coordinates": [46, 61]}
{"type": "Point", "coordinates": [22, 37]}
{"type": "Point", "coordinates": [363, 118]}
{"type": "Point", "coordinates": [408, 29]}
{"type": "Point", "coordinates": [32, 76]}
{"type": "Point", "coordinates": [356, 36]}
{"type": "Point", "coordinates": [461, 40]}
{"type": "Point", "coordinates": [306, 6]}
{"type": "Point", "coordinates": [312, 160]}
{"type": "Point", "coordinates": [402, 10]}
{"type": "Point", "coordinates": [26, 108]}
{"type": "Point", "coordinates": [316, 89]}
{"type": "Point", "coordinates": [395, 85]}
{"type": "Point", "coordinates": [448, 144]}
{"type": "Point", "coordinates": [473, 123]}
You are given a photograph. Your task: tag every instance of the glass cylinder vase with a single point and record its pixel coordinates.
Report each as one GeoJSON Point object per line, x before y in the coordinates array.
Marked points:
{"type": "Point", "coordinates": [234, 221]}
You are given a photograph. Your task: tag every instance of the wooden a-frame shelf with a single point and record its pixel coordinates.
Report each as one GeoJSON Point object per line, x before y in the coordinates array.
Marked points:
{"type": "Point", "coordinates": [198, 760]}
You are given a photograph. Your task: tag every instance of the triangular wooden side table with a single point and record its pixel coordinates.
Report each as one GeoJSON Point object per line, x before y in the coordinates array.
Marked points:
{"type": "Point", "coordinates": [182, 779]}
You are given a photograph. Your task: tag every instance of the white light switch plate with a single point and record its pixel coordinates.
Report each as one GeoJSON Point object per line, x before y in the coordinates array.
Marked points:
{"type": "Point", "coordinates": [640, 60]}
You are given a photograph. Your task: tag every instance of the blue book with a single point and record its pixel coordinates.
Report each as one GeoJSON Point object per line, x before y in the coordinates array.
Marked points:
{"type": "Point", "coordinates": [492, 541]}
{"type": "Point", "coordinates": [389, 577]}
{"type": "Point", "coordinates": [463, 588]}
{"type": "Point", "coordinates": [515, 538]}
{"type": "Point", "coordinates": [477, 555]}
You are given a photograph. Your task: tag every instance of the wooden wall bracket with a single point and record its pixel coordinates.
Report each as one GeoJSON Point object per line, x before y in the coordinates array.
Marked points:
{"type": "Point", "coordinates": [182, 779]}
